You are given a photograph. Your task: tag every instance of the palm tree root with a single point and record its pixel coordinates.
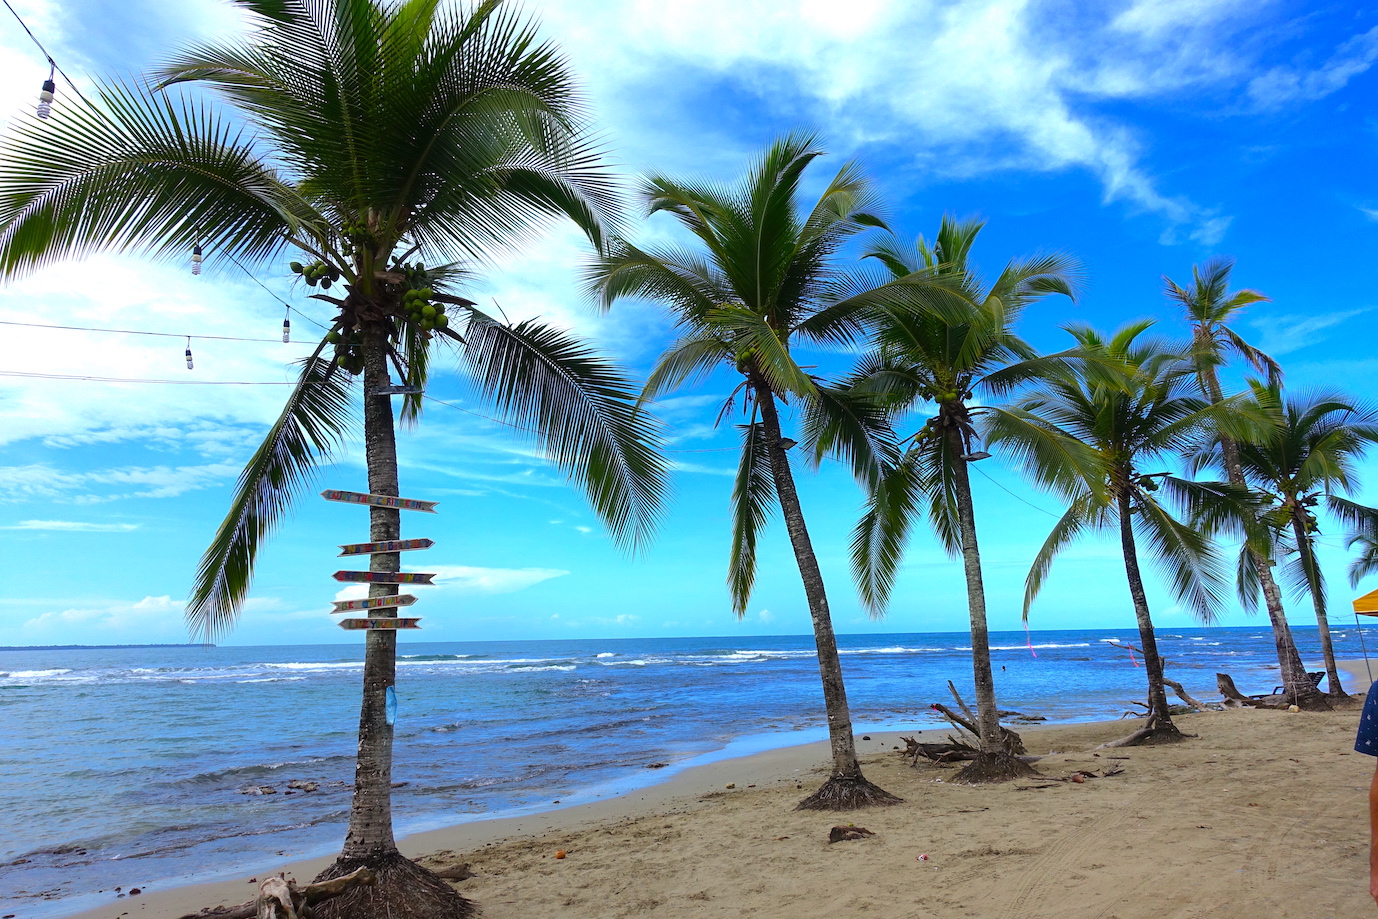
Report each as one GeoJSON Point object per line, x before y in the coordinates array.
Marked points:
{"type": "Point", "coordinates": [993, 768]}
{"type": "Point", "coordinates": [1154, 731]}
{"type": "Point", "coordinates": [403, 890]}
{"type": "Point", "coordinates": [847, 793]}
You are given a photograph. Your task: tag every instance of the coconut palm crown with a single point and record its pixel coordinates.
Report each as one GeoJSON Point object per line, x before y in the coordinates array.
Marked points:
{"type": "Point", "coordinates": [1121, 430]}
{"type": "Point", "coordinates": [1304, 461]}
{"type": "Point", "coordinates": [932, 362]}
{"type": "Point", "coordinates": [765, 277]}
{"type": "Point", "coordinates": [388, 146]}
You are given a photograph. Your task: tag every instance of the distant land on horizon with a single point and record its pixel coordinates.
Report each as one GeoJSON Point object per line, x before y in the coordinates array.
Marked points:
{"type": "Point", "coordinates": [188, 644]}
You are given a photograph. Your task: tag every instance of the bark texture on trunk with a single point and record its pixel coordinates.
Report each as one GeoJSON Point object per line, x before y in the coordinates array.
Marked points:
{"type": "Point", "coordinates": [370, 815]}
{"type": "Point", "coordinates": [1322, 621]}
{"type": "Point", "coordinates": [829, 664]}
{"type": "Point", "coordinates": [1163, 728]}
{"type": "Point", "coordinates": [987, 714]}
{"type": "Point", "coordinates": [1297, 686]}
{"type": "Point", "coordinates": [846, 787]}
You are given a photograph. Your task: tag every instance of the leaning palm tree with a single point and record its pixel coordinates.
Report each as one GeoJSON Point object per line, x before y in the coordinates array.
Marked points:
{"type": "Point", "coordinates": [1080, 419]}
{"type": "Point", "coordinates": [1210, 305]}
{"type": "Point", "coordinates": [1305, 459]}
{"type": "Point", "coordinates": [941, 359]}
{"type": "Point", "coordinates": [770, 279]}
{"type": "Point", "coordinates": [379, 140]}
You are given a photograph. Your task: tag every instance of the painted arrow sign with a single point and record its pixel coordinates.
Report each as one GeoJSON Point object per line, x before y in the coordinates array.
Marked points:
{"type": "Point", "coordinates": [396, 391]}
{"type": "Point", "coordinates": [347, 606]}
{"type": "Point", "coordinates": [358, 497]}
{"type": "Point", "coordinates": [391, 545]}
{"type": "Point", "coordinates": [379, 624]}
{"type": "Point", "coordinates": [384, 577]}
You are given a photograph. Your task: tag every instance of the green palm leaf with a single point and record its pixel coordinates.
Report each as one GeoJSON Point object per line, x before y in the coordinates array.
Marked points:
{"type": "Point", "coordinates": [584, 413]}
{"type": "Point", "coordinates": [753, 496]}
{"type": "Point", "coordinates": [311, 426]}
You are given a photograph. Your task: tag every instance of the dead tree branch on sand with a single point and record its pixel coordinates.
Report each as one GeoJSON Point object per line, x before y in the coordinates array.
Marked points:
{"type": "Point", "coordinates": [283, 899]}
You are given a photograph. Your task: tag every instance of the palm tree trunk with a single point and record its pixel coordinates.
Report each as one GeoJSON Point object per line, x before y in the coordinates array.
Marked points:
{"type": "Point", "coordinates": [1297, 687]}
{"type": "Point", "coordinates": [1308, 560]}
{"type": "Point", "coordinates": [997, 761]}
{"type": "Point", "coordinates": [370, 816]}
{"type": "Point", "coordinates": [846, 788]}
{"type": "Point", "coordinates": [1163, 728]}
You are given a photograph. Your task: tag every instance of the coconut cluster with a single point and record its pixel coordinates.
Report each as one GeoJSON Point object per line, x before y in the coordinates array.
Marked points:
{"type": "Point", "coordinates": [316, 273]}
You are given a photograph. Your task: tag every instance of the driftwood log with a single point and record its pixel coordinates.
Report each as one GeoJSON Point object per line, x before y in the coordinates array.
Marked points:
{"type": "Point", "coordinates": [1233, 697]}
{"type": "Point", "coordinates": [1011, 742]}
{"type": "Point", "coordinates": [283, 899]}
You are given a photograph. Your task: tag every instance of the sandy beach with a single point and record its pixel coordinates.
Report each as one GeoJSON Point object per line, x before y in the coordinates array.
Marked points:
{"type": "Point", "coordinates": [1261, 814]}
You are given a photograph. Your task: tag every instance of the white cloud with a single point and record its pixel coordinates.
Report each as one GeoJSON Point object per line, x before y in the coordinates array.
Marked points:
{"type": "Point", "coordinates": [766, 616]}
{"type": "Point", "coordinates": [468, 579]}
{"type": "Point", "coordinates": [1370, 212]}
{"type": "Point", "coordinates": [150, 620]}
{"type": "Point", "coordinates": [44, 482]}
{"type": "Point", "coordinates": [72, 526]}
{"type": "Point", "coordinates": [1284, 334]}
{"type": "Point", "coordinates": [1283, 86]}
{"type": "Point", "coordinates": [971, 86]}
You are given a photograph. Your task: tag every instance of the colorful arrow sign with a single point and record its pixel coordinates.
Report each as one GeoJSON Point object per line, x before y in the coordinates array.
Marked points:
{"type": "Point", "coordinates": [358, 497]}
{"type": "Point", "coordinates": [384, 577]}
{"type": "Point", "coordinates": [346, 606]}
{"type": "Point", "coordinates": [391, 545]}
{"type": "Point", "coordinates": [379, 624]}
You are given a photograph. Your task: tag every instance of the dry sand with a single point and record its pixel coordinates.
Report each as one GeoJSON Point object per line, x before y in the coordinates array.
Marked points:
{"type": "Point", "coordinates": [1263, 815]}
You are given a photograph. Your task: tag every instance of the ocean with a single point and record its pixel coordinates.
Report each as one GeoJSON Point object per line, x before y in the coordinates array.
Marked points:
{"type": "Point", "coordinates": [146, 766]}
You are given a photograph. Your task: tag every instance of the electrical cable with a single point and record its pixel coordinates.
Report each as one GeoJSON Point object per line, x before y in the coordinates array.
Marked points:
{"type": "Point", "coordinates": [52, 63]}
{"type": "Point", "coordinates": [1010, 493]}
{"type": "Point", "coordinates": [78, 328]}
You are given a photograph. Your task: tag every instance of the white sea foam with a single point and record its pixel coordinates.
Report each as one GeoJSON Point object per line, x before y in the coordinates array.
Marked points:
{"type": "Point", "coordinates": [37, 674]}
{"type": "Point", "coordinates": [633, 663]}
{"type": "Point", "coordinates": [607, 654]}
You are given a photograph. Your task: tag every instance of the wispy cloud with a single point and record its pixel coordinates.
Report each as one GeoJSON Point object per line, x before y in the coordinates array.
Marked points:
{"type": "Point", "coordinates": [1287, 333]}
{"type": "Point", "coordinates": [44, 482]}
{"type": "Point", "coordinates": [1283, 86]}
{"type": "Point", "coordinates": [468, 579]}
{"type": "Point", "coordinates": [72, 526]}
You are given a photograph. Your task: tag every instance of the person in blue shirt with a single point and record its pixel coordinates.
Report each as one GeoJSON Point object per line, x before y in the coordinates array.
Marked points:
{"type": "Point", "coordinates": [1367, 742]}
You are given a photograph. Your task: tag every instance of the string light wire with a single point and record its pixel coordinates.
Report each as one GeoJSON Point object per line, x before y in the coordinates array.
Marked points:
{"type": "Point", "coordinates": [51, 63]}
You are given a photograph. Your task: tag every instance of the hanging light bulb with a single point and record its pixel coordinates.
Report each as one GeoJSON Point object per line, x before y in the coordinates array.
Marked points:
{"type": "Point", "coordinates": [196, 259]}
{"type": "Point", "coordinates": [45, 97]}
{"type": "Point", "coordinates": [286, 327]}
{"type": "Point", "coordinates": [189, 366]}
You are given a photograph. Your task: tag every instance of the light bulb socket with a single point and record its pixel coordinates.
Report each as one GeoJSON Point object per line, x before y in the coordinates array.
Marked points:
{"type": "Point", "coordinates": [286, 330]}
{"type": "Point", "coordinates": [189, 363]}
{"type": "Point", "coordinates": [196, 258]}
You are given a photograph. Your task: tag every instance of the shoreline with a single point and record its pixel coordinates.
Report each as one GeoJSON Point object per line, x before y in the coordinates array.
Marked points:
{"type": "Point", "coordinates": [775, 767]}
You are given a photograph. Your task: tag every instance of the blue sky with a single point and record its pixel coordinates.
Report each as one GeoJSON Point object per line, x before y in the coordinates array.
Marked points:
{"type": "Point", "coordinates": [1140, 137]}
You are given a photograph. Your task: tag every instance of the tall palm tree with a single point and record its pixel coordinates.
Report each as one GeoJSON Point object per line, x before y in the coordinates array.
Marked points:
{"type": "Point", "coordinates": [941, 359]}
{"type": "Point", "coordinates": [1210, 305]}
{"type": "Point", "coordinates": [1306, 459]}
{"type": "Point", "coordinates": [770, 279]}
{"type": "Point", "coordinates": [1091, 436]}
{"type": "Point", "coordinates": [359, 134]}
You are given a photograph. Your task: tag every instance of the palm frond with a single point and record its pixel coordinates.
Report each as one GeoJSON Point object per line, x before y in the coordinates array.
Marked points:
{"type": "Point", "coordinates": [1186, 556]}
{"type": "Point", "coordinates": [753, 496]}
{"type": "Point", "coordinates": [879, 538]}
{"type": "Point", "coordinates": [1083, 513]}
{"type": "Point", "coordinates": [310, 428]}
{"type": "Point", "coordinates": [584, 413]}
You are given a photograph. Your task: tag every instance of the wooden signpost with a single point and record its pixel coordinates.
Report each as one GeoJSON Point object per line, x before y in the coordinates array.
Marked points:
{"type": "Point", "coordinates": [384, 577]}
{"type": "Point", "coordinates": [379, 625]}
{"type": "Point", "coordinates": [403, 390]}
{"type": "Point", "coordinates": [387, 620]}
{"type": "Point", "coordinates": [359, 497]}
{"type": "Point", "coordinates": [391, 545]}
{"type": "Point", "coordinates": [349, 606]}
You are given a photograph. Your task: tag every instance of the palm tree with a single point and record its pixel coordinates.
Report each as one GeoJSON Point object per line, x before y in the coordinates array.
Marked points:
{"type": "Point", "coordinates": [1209, 305]}
{"type": "Point", "coordinates": [376, 132]}
{"type": "Point", "coordinates": [1306, 459]}
{"type": "Point", "coordinates": [943, 358]}
{"type": "Point", "coordinates": [770, 279]}
{"type": "Point", "coordinates": [1091, 436]}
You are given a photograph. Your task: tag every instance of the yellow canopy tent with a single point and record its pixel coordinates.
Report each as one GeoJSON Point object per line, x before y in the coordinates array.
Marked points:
{"type": "Point", "coordinates": [1367, 605]}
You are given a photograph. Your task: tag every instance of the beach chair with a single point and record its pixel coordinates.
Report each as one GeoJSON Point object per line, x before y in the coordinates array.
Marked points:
{"type": "Point", "coordinates": [1315, 676]}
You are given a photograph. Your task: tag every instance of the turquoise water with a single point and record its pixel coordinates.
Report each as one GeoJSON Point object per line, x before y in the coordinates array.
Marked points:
{"type": "Point", "coordinates": [132, 766]}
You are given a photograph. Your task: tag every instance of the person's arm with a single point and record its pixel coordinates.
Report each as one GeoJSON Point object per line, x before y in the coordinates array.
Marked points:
{"type": "Point", "coordinates": [1373, 836]}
